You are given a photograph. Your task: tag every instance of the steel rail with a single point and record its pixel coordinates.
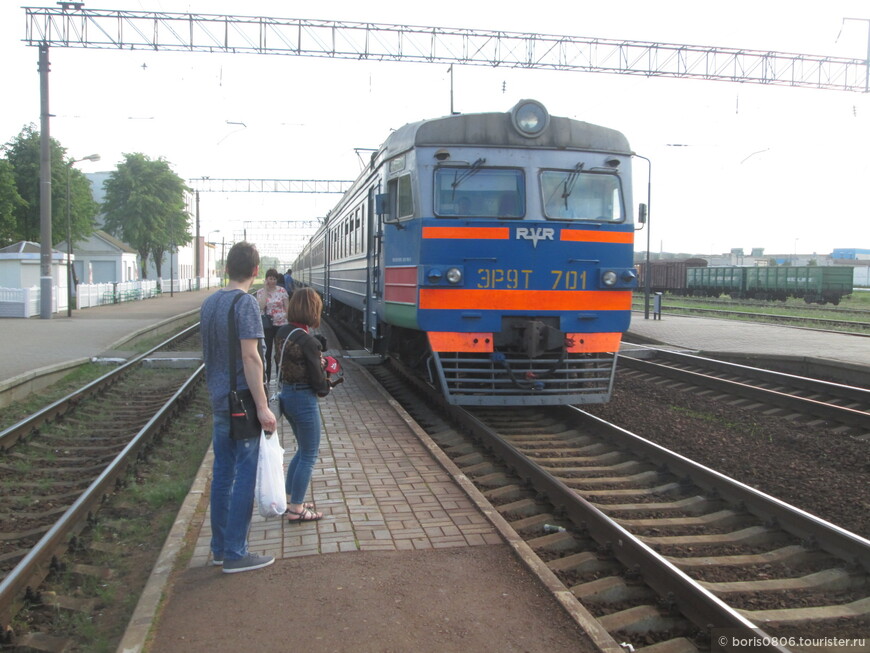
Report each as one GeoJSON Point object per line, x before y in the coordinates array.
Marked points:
{"type": "Point", "coordinates": [691, 599]}
{"type": "Point", "coordinates": [34, 567]}
{"type": "Point", "coordinates": [840, 390]}
{"type": "Point", "coordinates": [822, 409]}
{"type": "Point", "coordinates": [697, 603]}
{"type": "Point", "coordinates": [14, 433]}
{"type": "Point", "coordinates": [837, 541]}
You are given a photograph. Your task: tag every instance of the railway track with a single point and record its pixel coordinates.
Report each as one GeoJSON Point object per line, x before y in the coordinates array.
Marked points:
{"type": "Point", "coordinates": [796, 397]}
{"type": "Point", "coordinates": [59, 466]}
{"type": "Point", "coordinates": [861, 313]}
{"type": "Point", "coordinates": [662, 551]}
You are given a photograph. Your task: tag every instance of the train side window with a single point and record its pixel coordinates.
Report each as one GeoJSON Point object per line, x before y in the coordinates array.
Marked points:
{"type": "Point", "coordinates": [577, 195]}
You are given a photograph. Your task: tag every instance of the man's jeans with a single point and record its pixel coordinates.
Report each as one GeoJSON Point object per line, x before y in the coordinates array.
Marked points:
{"type": "Point", "coordinates": [234, 475]}
{"type": "Point", "coordinates": [299, 405]}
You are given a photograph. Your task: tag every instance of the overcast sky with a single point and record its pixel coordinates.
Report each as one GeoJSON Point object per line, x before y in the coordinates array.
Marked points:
{"type": "Point", "coordinates": [733, 165]}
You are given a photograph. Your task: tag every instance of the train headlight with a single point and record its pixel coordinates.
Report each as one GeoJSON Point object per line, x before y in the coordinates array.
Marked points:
{"type": "Point", "coordinates": [609, 278]}
{"type": "Point", "coordinates": [530, 118]}
{"type": "Point", "coordinates": [454, 275]}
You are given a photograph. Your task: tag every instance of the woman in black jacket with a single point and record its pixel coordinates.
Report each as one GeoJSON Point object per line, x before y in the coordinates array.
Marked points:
{"type": "Point", "coordinates": [300, 368]}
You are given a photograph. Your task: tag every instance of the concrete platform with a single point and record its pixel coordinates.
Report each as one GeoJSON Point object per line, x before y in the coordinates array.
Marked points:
{"type": "Point", "coordinates": [730, 336]}
{"type": "Point", "coordinates": [36, 352]}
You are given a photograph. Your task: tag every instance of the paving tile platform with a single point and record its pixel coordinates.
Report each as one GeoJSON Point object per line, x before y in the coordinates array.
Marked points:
{"type": "Point", "coordinates": [379, 487]}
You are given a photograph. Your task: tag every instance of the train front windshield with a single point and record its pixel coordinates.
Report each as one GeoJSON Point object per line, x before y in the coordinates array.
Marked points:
{"type": "Point", "coordinates": [479, 192]}
{"type": "Point", "coordinates": [576, 195]}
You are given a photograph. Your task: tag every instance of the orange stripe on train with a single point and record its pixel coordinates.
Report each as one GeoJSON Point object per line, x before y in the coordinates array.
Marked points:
{"type": "Point", "coordinates": [466, 342]}
{"type": "Point", "coordinates": [468, 233]}
{"type": "Point", "coordinates": [587, 236]}
{"type": "Point", "coordinates": [589, 343]}
{"type": "Point", "coordinates": [525, 300]}
{"type": "Point", "coordinates": [576, 343]}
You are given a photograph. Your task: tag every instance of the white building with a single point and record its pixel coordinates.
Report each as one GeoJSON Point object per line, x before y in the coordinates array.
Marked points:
{"type": "Point", "coordinates": [102, 258]}
{"type": "Point", "coordinates": [21, 271]}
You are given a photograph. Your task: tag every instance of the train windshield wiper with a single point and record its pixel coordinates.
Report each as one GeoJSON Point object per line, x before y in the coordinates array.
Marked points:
{"type": "Point", "coordinates": [570, 180]}
{"type": "Point", "coordinates": [459, 178]}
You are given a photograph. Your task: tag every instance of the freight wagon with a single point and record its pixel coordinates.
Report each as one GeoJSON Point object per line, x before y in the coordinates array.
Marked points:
{"type": "Point", "coordinates": [816, 285]}
{"type": "Point", "coordinates": [667, 275]}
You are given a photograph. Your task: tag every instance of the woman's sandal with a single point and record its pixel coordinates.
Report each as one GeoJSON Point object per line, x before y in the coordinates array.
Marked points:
{"type": "Point", "coordinates": [306, 506]}
{"type": "Point", "coordinates": [306, 514]}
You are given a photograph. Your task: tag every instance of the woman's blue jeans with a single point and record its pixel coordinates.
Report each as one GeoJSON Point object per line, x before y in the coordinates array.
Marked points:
{"type": "Point", "coordinates": [234, 475]}
{"type": "Point", "coordinates": [299, 405]}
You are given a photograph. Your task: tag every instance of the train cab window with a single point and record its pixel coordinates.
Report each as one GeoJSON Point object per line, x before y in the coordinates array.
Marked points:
{"type": "Point", "coordinates": [401, 197]}
{"type": "Point", "coordinates": [479, 192]}
{"type": "Point", "coordinates": [578, 195]}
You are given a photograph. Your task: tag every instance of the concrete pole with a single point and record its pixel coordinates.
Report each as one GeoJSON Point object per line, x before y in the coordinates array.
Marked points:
{"type": "Point", "coordinates": [46, 286]}
{"type": "Point", "coordinates": [196, 252]}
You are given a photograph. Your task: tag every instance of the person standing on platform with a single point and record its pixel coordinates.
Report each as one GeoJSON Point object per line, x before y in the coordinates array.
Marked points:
{"type": "Point", "coordinates": [273, 301]}
{"type": "Point", "coordinates": [235, 461]}
{"type": "Point", "coordinates": [288, 281]}
{"type": "Point", "coordinates": [303, 380]}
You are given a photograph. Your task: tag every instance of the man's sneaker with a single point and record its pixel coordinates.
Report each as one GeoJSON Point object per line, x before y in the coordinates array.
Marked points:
{"type": "Point", "coordinates": [248, 563]}
{"type": "Point", "coordinates": [217, 561]}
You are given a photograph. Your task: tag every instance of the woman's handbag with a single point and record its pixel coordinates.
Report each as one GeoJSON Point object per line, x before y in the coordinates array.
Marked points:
{"type": "Point", "coordinates": [271, 496]}
{"type": "Point", "coordinates": [244, 422]}
{"type": "Point", "coordinates": [267, 322]}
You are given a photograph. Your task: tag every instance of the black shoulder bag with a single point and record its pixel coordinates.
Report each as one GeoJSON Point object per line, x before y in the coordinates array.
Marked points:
{"type": "Point", "coordinates": [244, 422]}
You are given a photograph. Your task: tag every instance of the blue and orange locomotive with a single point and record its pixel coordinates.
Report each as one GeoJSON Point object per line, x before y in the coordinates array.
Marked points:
{"type": "Point", "coordinates": [492, 250]}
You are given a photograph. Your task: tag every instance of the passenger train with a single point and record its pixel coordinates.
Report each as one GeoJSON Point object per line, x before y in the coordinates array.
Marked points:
{"type": "Point", "coordinates": [491, 251]}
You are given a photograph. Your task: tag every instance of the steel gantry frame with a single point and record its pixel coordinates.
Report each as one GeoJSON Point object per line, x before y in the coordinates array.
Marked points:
{"type": "Point", "coordinates": [214, 185]}
{"type": "Point", "coordinates": [278, 238]}
{"type": "Point", "coordinates": [73, 26]}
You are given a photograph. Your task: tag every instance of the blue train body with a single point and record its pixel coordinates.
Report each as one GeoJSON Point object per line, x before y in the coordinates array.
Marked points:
{"type": "Point", "coordinates": [494, 250]}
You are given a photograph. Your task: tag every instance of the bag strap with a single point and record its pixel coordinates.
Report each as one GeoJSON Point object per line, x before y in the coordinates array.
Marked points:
{"type": "Point", "coordinates": [233, 337]}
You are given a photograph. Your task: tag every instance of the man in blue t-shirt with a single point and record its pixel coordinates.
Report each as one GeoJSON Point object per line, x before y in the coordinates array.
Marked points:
{"type": "Point", "coordinates": [288, 281]}
{"type": "Point", "coordinates": [235, 461]}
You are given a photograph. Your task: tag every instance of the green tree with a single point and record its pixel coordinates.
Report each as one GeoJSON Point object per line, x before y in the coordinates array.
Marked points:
{"type": "Point", "coordinates": [10, 203]}
{"type": "Point", "coordinates": [23, 153]}
{"type": "Point", "coordinates": [267, 262]}
{"type": "Point", "coordinates": [144, 207]}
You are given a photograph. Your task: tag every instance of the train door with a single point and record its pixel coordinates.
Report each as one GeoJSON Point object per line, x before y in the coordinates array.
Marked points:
{"type": "Point", "coordinates": [374, 243]}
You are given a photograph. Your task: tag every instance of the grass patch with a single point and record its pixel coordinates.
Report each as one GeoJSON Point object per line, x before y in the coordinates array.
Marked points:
{"type": "Point", "coordinates": [145, 344]}
{"type": "Point", "coordinates": [80, 376]}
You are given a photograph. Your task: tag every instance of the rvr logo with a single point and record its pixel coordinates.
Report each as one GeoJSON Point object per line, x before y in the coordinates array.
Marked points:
{"type": "Point", "coordinates": [535, 234]}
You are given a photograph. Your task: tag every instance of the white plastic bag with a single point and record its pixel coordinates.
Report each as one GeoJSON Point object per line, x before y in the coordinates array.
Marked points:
{"type": "Point", "coordinates": [271, 499]}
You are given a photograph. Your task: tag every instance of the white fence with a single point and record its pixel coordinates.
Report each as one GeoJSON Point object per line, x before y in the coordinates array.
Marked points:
{"type": "Point", "coordinates": [98, 294]}
{"type": "Point", "coordinates": [25, 302]}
